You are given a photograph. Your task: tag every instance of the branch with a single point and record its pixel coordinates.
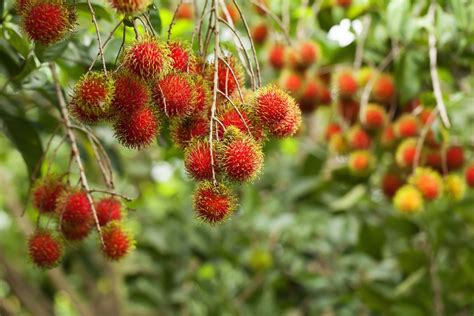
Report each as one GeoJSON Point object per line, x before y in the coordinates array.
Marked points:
{"type": "Point", "coordinates": [173, 20]}
{"type": "Point", "coordinates": [260, 5]}
{"type": "Point", "coordinates": [433, 67]}
{"type": "Point", "coordinates": [107, 41]}
{"type": "Point", "coordinates": [359, 55]}
{"type": "Point", "coordinates": [215, 8]}
{"type": "Point", "coordinates": [97, 32]}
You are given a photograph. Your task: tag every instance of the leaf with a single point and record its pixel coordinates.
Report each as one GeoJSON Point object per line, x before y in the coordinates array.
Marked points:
{"type": "Point", "coordinates": [51, 53]}
{"type": "Point", "coordinates": [25, 138]}
{"type": "Point", "coordinates": [405, 287]}
{"type": "Point", "coordinates": [99, 10]}
{"type": "Point", "coordinates": [155, 18]}
{"type": "Point", "coordinates": [396, 17]}
{"type": "Point", "coordinates": [351, 198]}
{"type": "Point", "coordinates": [371, 240]}
{"type": "Point", "coordinates": [18, 42]}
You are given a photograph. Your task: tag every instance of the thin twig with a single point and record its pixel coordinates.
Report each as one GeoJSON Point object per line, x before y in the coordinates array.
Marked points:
{"type": "Point", "coordinates": [268, 12]}
{"type": "Point", "coordinates": [97, 33]}
{"type": "Point", "coordinates": [173, 20]}
{"type": "Point", "coordinates": [107, 41]}
{"type": "Point", "coordinates": [359, 55]}
{"type": "Point", "coordinates": [126, 198]}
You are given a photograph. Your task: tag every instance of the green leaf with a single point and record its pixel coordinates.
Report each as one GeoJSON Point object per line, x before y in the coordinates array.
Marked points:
{"type": "Point", "coordinates": [18, 42]}
{"type": "Point", "coordinates": [350, 199]}
{"type": "Point", "coordinates": [407, 285]}
{"type": "Point", "coordinates": [371, 240]}
{"type": "Point", "coordinates": [396, 16]}
{"type": "Point", "coordinates": [51, 53]}
{"type": "Point", "coordinates": [25, 138]}
{"type": "Point", "coordinates": [155, 18]}
{"type": "Point", "coordinates": [99, 10]}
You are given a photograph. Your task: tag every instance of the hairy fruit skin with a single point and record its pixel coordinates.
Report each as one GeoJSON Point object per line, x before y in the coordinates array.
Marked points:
{"type": "Point", "coordinates": [276, 56]}
{"type": "Point", "coordinates": [406, 152]}
{"type": "Point", "coordinates": [428, 182]}
{"type": "Point", "coordinates": [175, 95]}
{"type": "Point", "coordinates": [108, 209]}
{"type": "Point", "coordinates": [358, 138]}
{"type": "Point", "coordinates": [94, 93]}
{"type": "Point", "coordinates": [46, 192]}
{"type": "Point", "coordinates": [374, 116]}
{"type": "Point", "coordinates": [406, 126]}
{"type": "Point", "coordinates": [117, 241]}
{"type": "Point", "coordinates": [346, 84]}
{"type": "Point", "coordinates": [408, 200]}
{"type": "Point", "coordinates": [241, 156]}
{"type": "Point", "coordinates": [260, 33]}
{"type": "Point", "coordinates": [391, 182]}
{"type": "Point", "coordinates": [45, 250]}
{"type": "Point", "coordinates": [454, 157]}
{"type": "Point", "coordinates": [230, 75]}
{"type": "Point", "coordinates": [73, 207]}
{"type": "Point", "coordinates": [148, 59]}
{"type": "Point", "coordinates": [47, 22]}
{"type": "Point", "coordinates": [360, 162]}
{"type": "Point", "coordinates": [197, 160]}
{"type": "Point", "coordinates": [181, 56]}
{"type": "Point", "coordinates": [185, 129]}
{"type": "Point", "coordinates": [454, 186]}
{"type": "Point", "coordinates": [129, 6]}
{"type": "Point", "coordinates": [308, 101]}
{"type": "Point", "coordinates": [384, 89]}
{"type": "Point", "coordinates": [242, 120]}
{"type": "Point", "coordinates": [138, 130]}
{"type": "Point", "coordinates": [469, 175]}
{"type": "Point", "coordinates": [131, 94]}
{"type": "Point", "coordinates": [82, 116]}
{"type": "Point", "coordinates": [387, 138]}
{"type": "Point", "coordinates": [213, 203]}
{"type": "Point", "coordinates": [290, 81]}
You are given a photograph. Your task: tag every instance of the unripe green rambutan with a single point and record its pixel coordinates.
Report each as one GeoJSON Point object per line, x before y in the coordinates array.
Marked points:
{"type": "Point", "coordinates": [93, 94]}
{"type": "Point", "coordinates": [454, 186]}
{"type": "Point", "coordinates": [45, 249]}
{"type": "Point", "coordinates": [408, 200]}
{"type": "Point", "coordinates": [118, 242]}
{"type": "Point", "coordinates": [130, 6]}
{"type": "Point", "coordinates": [214, 203]}
{"type": "Point", "coordinates": [148, 58]}
{"type": "Point", "coordinates": [428, 182]}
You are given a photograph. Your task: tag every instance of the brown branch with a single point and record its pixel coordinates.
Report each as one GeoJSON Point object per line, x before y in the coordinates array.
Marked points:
{"type": "Point", "coordinates": [359, 55]}
{"type": "Point", "coordinates": [215, 8]}
{"type": "Point", "coordinates": [107, 41]}
{"type": "Point", "coordinates": [173, 20]}
{"type": "Point", "coordinates": [126, 198]}
{"type": "Point", "coordinates": [268, 12]}
{"type": "Point", "coordinates": [97, 33]}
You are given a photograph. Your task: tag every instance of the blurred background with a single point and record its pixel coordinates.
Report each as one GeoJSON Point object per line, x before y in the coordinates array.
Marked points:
{"type": "Point", "coordinates": [304, 241]}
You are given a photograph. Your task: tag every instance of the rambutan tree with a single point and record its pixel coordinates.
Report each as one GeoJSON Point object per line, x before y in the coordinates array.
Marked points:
{"type": "Point", "coordinates": [259, 157]}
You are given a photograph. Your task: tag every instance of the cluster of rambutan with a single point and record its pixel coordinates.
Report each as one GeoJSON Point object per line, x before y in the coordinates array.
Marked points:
{"type": "Point", "coordinates": [46, 21]}
{"type": "Point", "coordinates": [71, 219]}
{"type": "Point", "coordinates": [165, 84]}
{"type": "Point", "coordinates": [423, 168]}
{"type": "Point", "coordinates": [299, 74]}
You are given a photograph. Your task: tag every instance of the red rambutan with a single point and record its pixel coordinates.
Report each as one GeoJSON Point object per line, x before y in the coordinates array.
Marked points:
{"type": "Point", "coordinates": [454, 157]}
{"type": "Point", "coordinates": [129, 6]}
{"type": "Point", "coordinates": [93, 94]}
{"type": "Point", "coordinates": [185, 129]}
{"type": "Point", "coordinates": [213, 203]}
{"type": "Point", "coordinates": [358, 138]}
{"type": "Point", "coordinates": [349, 110]}
{"type": "Point", "coordinates": [346, 84]}
{"type": "Point", "coordinates": [374, 116]}
{"type": "Point", "coordinates": [83, 117]}
{"type": "Point", "coordinates": [391, 182]}
{"type": "Point", "coordinates": [230, 75]}
{"type": "Point", "coordinates": [239, 118]}
{"type": "Point", "coordinates": [276, 56]}
{"type": "Point", "coordinates": [175, 95]}
{"type": "Point", "coordinates": [73, 232]}
{"type": "Point", "coordinates": [272, 105]}
{"type": "Point", "coordinates": [259, 33]}
{"type": "Point", "coordinates": [290, 81]}
{"type": "Point", "coordinates": [45, 249]}
{"type": "Point", "coordinates": [387, 138]}
{"type": "Point", "coordinates": [73, 207]}
{"type": "Point", "coordinates": [181, 56]}
{"type": "Point", "coordinates": [45, 193]}
{"type": "Point", "coordinates": [185, 12]}
{"type": "Point", "coordinates": [117, 242]}
{"type": "Point", "coordinates": [137, 130]}
{"type": "Point", "coordinates": [197, 160]}
{"type": "Point", "coordinates": [332, 129]}
{"type": "Point", "coordinates": [203, 95]}
{"type": "Point", "coordinates": [406, 153]}
{"type": "Point", "coordinates": [384, 89]}
{"type": "Point", "coordinates": [288, 126]}
{"type": "Point", "coordinates": [108, 209]}
{"type": "Point", "coordinates": [406, 126]}
{"type": "Point", "coordinates": [308, 101]}
{"type": "Point", "coordinates": [469, 175]}
{"type": "Point", "coordinates": [148, 58]}
{"type": "Point", "coordinates": [433, 159]}
{"type": "Point", "coordinates": [428, 182]}
{"type": "Point", "coordinates": [131, 94]}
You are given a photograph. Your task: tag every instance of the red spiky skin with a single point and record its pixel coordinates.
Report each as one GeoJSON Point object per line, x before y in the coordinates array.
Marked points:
{"type": "Point", "coordinates": [93, 94]}
{"type": "Point", "coordinates": [180, 56]}
{"type": "Point", "coordinates": [46, 192]}
{"type": "Point", "coordinates": [291, 82]}
{"type": "Point", "coordinates": [83, 117]}
{"type": "Point", "coordinates": [387, 138]}
{"type": "Point", "coordinates": [21, 5]}
{"type": "Point", "coordinates": [344, 3]}
{"type": "Point", "coordinates": [406, 126]}
{"type": "Point", "coordinates": [232, 118]}
{"type": "Point", "coordinates": [138, 130]}
{"type": "Point", "coordinates": [332, 129]}
{"type": "Point", "coordinates": [129, 6]}
{"type": "Point", "coordinates": [308, 101]}
{"type": "Point", "coordinates": [349, 110]}
{"type": "Point", "coordinates": [45, 250]}
{"type": "Point", "coordinates": [384, 89]}
{"type": "Point", "coordinates": [429, 184]}
{"type": "Point", "coordinates": [174, 95]}
{"type": "Point", "coordinates": [185, 12]}
{"type": "Point", "coordinates": [203, 95]}
{"type": "Point", "coordinates": [374, 117]}
{"type": "Point", "coordinates": [242, 159]}
{"type": "Point", "coordinates": [197, 160]}
{"type": "Point", "coordinates": [276, 56]}
{"type": "Point", "coordinates": [272, 105]}
{"type": "Point", "coordinates": [454, 157]}
{"type": "Point", "coordinates": [108, 209]}
{"type": "Point", "coordinates": [229, 75]}
{"type": "Point", "coordinates": [213, 203]}
{"type": "Point", "coordinates": [469, 175]}
{"type": "Point", "coordinates": [117, 242]}
{"type": "Point", "coordinates": [347, 84]}
{"type": "Point", "coordinates": [147, 58]}
{"type": "Point", "coordinates": [131, 94]}
{"type": "Point", "coordinates": [74, 232]}
{"type": "Point", "coordinates": [188, 128]}
{"type": "Point", "coordinates": [288, 126]}
{"type": "Point", "coordinates": [359, 139]}
{"type": "Point", "coordinates": [260, 33]}
{"type": "Point", "coordinates": [47, 22]}
{"type": "Point", "coordinates": [308, 53]}
{"type": "Point", "coordinates": [406, 153]}
{"type": "Point", "coordinates": [74, 207]}
{"type": "Point", "coordinates": [391, 182]}
{"type": "Point", "coordinates": [434, 160]}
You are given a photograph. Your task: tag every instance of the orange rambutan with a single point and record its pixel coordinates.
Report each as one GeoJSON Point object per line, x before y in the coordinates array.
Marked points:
{"type": "Point", "coordinates": [360, 162]}
{"type": "Point", "coordinates": [374, 116]}
{"type": "Point", "coordinates": [406, 126]}
{"type": "Point", "coordinates": [408, 200]}
{"type": "Point", "coordinates": [383, 89]}
{"type": "Point", "coordinates": [428, 182]}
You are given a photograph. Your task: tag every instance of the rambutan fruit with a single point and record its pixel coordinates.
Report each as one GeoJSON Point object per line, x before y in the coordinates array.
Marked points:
{"type": "Point", "coordinates": [408, 200]}
{"type": "Point", "coordinates": [240, 155]}
{"type": "Point", "coordinates": [45, 249]}
{"type": "Point", "coordinates": [343, 3]}
{"type": "Point", "coordinates": [197, 160]}
{"type": "Point", "coordinates": [391, 182]}
{"type": "Point", "coordinates": [185, 129]}
{"type": "Point", "coordinates": [175, 95]}
{"type": "Point", "coordinates": [308, 53]}
{"type": "Point", "coordinates": [469, 175]}
{"type": "Point", "coordinates": [411, 105]}
{"type": "Point", "coordinates": [346, 84]}
{"type": "Point", "coordinates": [73, 207]}
{"type": "Point", "coordinates": [272, 105]}
{"type": "Point", "coordinates": [131, 94]}
{"type": "Point", "coordinates": [185, 12]}
{"type": "Point", "coordinates": [137, 130]}
{"type": "Point", "coordinates": [289, 126]}
{"type": "Point", "coordinates": [181, 56]}
{"type": "Point", "coordinates": [45, 193]}
{"type": "Point", "coordinates": [426, 117]}
{"type": "Point", "coordinates": [83, 117]}
{"type": "Point", "coordinates": [428, 182]}
{"type": "Point", "coordinates": [454, 157]}
{"type": "Point", "coordinates": [374, 116]}
{"type": "Point", "coordinates": [454, 186]}
{"type": "Point", "coordinates": [360, 162]}
{"type": "Point", "coordinates": [240, 118]}
{"type": "Point", "coordinates": [117, 242]}
{"type": "Point", "coordinates": [332, 129]}
{"type": "Point", "coordinates": [129, 6]}
{"type": "Point", "coordinates": [203, 94]}
{"type": "Point", "coordinates": [108, 209]}
{"type": "Point", "coordinates": [358, 138]}
{"type": "Point", "coordinates": [387, 138]}
{"type": "Point", "coordinates": [47, 22]}
{"type": "Point", "coordinates": [276, 56]}
{"type": "Point", "coordinates": [259, 33]}
{"type": "Point", "coordinates": [324, 95]}
{"type": "Point", "coordinates": [232, 11]}
{"type": "Point", "coordinates": [21, 5]}
{"type": "Point", "coordinates": [148, 58]}
{"type": "Point", "coordinates": [364, 75]}
{"type": "Point", "coordinates": [93, 94]}
{"type": "Point", "coordinates": [230, 75]}
{"type": "Point", "coordinates": [383, 89]}
{"type": "Point", "coordinates": [337, 144]}
{"type": "Point", "coordinates": [309, 98]}
{"type": "Point", "coordinates": [406, 153]}
{"type": "Point", "coordinates": [75, 232]}
{"type": "Point", "coordinates": [406, 126]}
{"type": "Point", "coordinates": [433, 159]}
{"type": "Point", "coordinates": [213, 203]}
{"type": "Point", "coordinates": [290, 81]}
{"type": "Point", "coordinates": [349, 110]}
